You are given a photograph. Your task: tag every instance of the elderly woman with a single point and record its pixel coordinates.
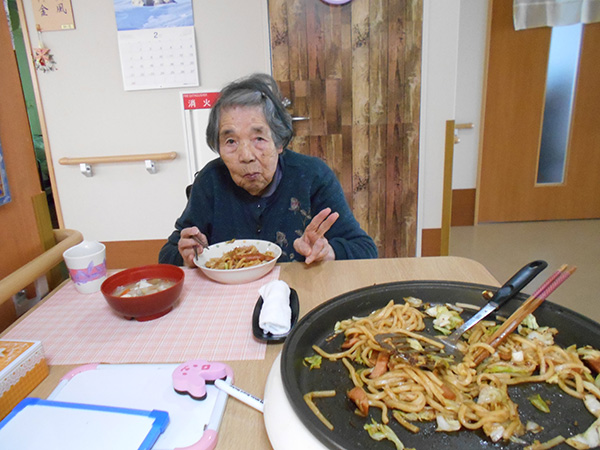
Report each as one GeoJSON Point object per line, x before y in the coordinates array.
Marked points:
{"type": "Point", "coordinates": [258, 189]}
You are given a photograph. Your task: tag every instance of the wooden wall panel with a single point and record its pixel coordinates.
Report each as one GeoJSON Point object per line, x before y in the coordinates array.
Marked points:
{"type": "Point", "coordinates": [355, 71]}
{"type": "Point", "coordinates": [19, 238]}
{"type": "Point", "coordinates": [126, 254]}
{"type": "Point", "coordinates": [463, 207]}
{"type": "Point", "coordinates": [432, 241]}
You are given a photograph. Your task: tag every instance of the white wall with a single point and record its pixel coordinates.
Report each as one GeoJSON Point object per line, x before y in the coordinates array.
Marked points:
{"type": "Point", "coordinates": [454, 42]}
{"type": "Point", "coordinates": [469, 88]}
{"type": "Point", "coordinates": [438, 98]}
{"type": "Point", "coordinates": [88, 113]}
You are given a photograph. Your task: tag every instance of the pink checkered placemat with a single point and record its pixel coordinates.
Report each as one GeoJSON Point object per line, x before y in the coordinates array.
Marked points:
{"type": "Point", "coordinates": [211, 321]}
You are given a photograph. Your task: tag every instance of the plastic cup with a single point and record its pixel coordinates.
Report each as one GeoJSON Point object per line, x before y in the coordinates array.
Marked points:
{"type": "Point", "coordinates": [86, 262]}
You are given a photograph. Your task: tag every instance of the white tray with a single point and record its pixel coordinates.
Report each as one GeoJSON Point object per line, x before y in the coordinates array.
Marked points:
{"type": "Point", "coordinates": [52, 425]}
{"type": "Point", "coordinates": [148, 387]}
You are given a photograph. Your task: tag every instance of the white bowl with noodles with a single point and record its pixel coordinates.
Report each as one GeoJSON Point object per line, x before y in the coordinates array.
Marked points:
{"type": "Point", "coordinates": [241, 275]}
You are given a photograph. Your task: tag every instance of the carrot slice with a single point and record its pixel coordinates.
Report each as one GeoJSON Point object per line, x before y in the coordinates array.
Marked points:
{"type": "Point", "coordinates": [359, 397]}
{"type": "Point", "coordinates": [350, 342]}
{"type": "Point", "coordinates": [381, 365]}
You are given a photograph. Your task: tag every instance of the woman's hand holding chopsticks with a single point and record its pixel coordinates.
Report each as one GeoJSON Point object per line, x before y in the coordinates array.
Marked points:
{"type": "Point", "coordinates": [191, 244]}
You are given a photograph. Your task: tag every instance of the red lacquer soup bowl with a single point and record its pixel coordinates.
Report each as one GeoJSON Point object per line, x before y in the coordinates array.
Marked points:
{"type": "Point", "coordinates": [144, 293]}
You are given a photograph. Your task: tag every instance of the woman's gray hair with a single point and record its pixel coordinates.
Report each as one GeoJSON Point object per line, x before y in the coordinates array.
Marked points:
{"type": "Point", "coordinates": [258, 89]}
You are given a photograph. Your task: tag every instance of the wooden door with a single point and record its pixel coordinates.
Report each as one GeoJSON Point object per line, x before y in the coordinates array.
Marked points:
{"type": "Point", "coordinates": [512, 128]}
{"type": "Point", "coordinates": [19, 238]}
{"type": "Point", "coordinates": [354, 71]}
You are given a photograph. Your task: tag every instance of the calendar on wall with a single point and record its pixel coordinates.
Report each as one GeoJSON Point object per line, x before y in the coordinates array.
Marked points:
{"type": "Point", "coordinates": [157, 44]}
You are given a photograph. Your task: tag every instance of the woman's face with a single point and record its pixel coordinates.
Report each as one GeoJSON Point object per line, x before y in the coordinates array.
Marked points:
{"type": "Point", "coordinates": [247, 148]}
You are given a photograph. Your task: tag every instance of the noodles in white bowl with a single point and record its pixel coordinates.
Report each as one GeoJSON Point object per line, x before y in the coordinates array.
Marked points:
{"type": "Point", "coordinates": [261, 257]}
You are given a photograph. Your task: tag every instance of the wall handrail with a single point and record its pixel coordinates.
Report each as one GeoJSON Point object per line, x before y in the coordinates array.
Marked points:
{"type": "Point", "coordinates": [39, 266]}
{"type": "Point", "coordinates": [86, 162]}
{"type": "Point", "coordinates": [118, 158]}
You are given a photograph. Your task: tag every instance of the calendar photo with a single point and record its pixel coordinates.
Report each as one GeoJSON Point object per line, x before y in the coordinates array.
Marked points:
{"type": "Point", "coordinates": [144, 14]}
{"type": "Point", "coordinates": [157, 44]}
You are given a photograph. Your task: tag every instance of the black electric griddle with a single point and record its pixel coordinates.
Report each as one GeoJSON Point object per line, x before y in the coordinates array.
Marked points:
{"type": "Point", "coordinates": [568, 415]}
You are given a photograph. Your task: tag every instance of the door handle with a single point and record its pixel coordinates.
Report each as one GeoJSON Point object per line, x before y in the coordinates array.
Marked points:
{"type": "Point", "coordinates": [464, 126]}
{"type": "Point", "coordinates": [461, 126]}
{"type": "Point", "coordinates": [287, 103]}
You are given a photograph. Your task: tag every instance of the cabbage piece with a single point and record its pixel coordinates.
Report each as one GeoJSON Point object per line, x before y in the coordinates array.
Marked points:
{"type": "Point", "coordinates": [444, 424]}
{"type": "Point", "coordinates": [517, 356]}
{"type": "Point", "coordinates": [454, 307]}
{"type": "Point", "coordinates": [544, 335]}
{"type": "Point", "coordinates": [503, 368]}
{"type": "Point", "coordinates": [432, 311]}
{"type": "Point", "coordinates": [590, 438]}
{"type": "Point", "coordinates": [533, 427]}
{"type": "Point", "coordinates": [537, 445]}
{"type": "Point", "coordinates": [517, 440]}
{"type": "Point", "coordinates": [530, 322]}
{"type": "Point", "coordinates": [338, 327]}
{"type": "Point", "coordinates": [591, 357]}
{"type": "Point", "coordinates": [592, 404]}
{"type": "Point", "coordinates": [588, 352]}
{"type": "Point", "coordinates": [379, 432]}
{"type": "Point", "coordinates": [426, 415]}
{"type": "Point", "coordinates": [489, 395]}
{"type": "Point", "coordinates": [313, 362]}
{"type": "Point", "coordinates": [539, 403]}
{"type": "Point", "coordinates": [496, 432]}
{"type": "Point", "coordinates": [445, 320]}
{"type": "Point", "coordinates": [592, 388]}
{"type": "Point", "coordinates": [414, 302]}
{"type": "Point", "coordinates": [414, 344]}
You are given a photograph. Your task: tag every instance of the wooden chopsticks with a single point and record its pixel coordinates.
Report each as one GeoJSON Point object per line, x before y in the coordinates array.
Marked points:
{"type": "Point", "coordinates": [530, 305]}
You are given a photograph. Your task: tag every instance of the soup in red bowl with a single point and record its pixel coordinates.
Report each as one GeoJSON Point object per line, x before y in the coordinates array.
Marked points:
{"type": "Point", "coordinates": [144, 293]}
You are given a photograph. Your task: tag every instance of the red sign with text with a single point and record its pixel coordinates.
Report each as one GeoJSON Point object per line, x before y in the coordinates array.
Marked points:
{"type": "Point", "coordinates": [203, 100]}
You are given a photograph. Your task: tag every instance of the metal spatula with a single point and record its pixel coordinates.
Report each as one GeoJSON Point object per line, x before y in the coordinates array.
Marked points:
{"type": "Point", "coordinates": [448, 344]}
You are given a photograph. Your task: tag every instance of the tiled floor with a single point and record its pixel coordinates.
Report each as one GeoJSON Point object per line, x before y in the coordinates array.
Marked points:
{"type": "Point", "coordinates": [505, 248]}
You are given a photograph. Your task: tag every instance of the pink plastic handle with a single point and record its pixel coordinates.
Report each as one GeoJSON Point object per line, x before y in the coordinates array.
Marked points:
{"type": "Point", "coordinates": [78, 370]}
{"type": "Point", "coordinates": [207, 442]}
{"type": "Point", "coordinates": [191, 377]}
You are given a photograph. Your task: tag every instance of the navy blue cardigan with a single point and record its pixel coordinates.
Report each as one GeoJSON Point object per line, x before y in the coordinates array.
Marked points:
{"type": "Point", "coordinates": [223, 211]}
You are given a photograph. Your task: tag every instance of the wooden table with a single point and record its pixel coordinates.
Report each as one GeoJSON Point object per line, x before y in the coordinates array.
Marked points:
{"type": "Point", "coordinates": [243, 427]}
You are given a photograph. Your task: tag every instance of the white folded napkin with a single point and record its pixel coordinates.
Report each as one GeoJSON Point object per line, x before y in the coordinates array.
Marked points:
{"type": "Point", "coordinates": [276, 315]}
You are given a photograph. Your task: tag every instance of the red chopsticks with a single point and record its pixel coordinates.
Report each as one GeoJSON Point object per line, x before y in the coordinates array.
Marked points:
{"type": "Point", "coordinates": [530, 305]}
